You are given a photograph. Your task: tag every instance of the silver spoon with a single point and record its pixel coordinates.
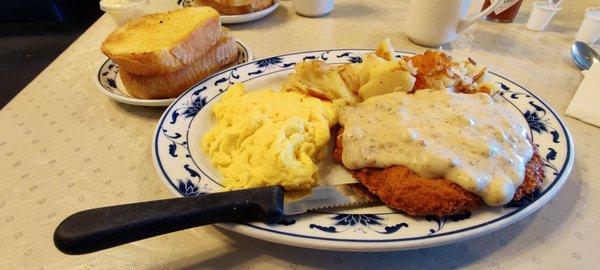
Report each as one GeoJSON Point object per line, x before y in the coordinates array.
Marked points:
{"type": "Point", "coordinates": [583, 55]}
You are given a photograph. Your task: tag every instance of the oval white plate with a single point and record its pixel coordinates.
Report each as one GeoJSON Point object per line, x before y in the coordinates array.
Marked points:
{"type": "Point", "coordinates": [232, 19]}
{"type": "Point", "coordinates": [109, 82]}
{"type": "Point", "coordinates": [187, 171]}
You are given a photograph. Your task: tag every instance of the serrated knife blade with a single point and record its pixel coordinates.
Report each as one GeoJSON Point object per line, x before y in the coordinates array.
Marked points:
{"type": "Point", "coordinates": [344, 195]}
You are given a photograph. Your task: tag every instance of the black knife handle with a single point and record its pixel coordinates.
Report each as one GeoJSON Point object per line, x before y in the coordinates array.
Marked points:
{"type": "Point", "coordinates": [101, 228]}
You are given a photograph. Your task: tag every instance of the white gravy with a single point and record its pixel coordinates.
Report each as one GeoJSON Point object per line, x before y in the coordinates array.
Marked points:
{"type": "Point", "coordinates": [469, 139]}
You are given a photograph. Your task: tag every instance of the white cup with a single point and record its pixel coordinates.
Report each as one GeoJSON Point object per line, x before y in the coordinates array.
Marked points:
{"type": "Point", "coordinates": [436, 22]}
{"type": "Point", "coordinates": [540, 16]}
{"type": "Point", "coordinates": [123, 10]}
{"type": "Point", "coordinates": [589, 31]}
{"type": "Point", "coordinates": [313, 8]}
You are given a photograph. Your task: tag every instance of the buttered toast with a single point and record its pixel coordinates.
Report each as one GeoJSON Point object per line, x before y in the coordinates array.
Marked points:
{"type": "Point", "coordinates": [165, 42]}
{"type": "Point", "coordinates": [236, 7]}
{"type": "Point", "coordinates": [173, 84]}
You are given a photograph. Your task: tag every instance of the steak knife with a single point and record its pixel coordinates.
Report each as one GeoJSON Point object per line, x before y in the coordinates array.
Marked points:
{"type": "Point", "coordinates": [101, 228]}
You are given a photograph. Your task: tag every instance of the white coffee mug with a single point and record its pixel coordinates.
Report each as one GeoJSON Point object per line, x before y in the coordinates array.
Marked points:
{"type": "Point", "coordinates": [436, 22]}
{"type": "Point", "coordinates": [313, 8]}
{"type": "Point", "coordinates": [589, 31]}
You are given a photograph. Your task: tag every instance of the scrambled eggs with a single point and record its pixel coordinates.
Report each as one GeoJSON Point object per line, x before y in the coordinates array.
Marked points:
{"type": "Point", "coordinates": [267, 138]}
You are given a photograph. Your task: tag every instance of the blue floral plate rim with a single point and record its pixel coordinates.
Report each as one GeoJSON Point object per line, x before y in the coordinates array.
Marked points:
{"type": "Point", "coordinates": [540, 117]}
{"type": "Point", "coordinates": [242, 18]}
{"type": "Point", "coordinates": [108, 82]}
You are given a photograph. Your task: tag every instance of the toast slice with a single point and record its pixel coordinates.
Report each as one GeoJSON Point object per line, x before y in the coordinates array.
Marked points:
{"type": "Point", "coordinates": [164, 42]}
{"type": "Point", "coordinates": [236, 7]}
{"type": "Point", "coordinates": [173, 84]}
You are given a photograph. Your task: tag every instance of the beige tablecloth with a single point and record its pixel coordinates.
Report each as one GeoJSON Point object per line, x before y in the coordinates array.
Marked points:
{"type": "Point", "coordinates": [65, 147]}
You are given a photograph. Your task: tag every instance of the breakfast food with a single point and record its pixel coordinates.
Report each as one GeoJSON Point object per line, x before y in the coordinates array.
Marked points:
{"type": "Point", "coordinates": [266, 138]}
{"type": "Point", "coordinates": [437, 70]}
{"type": "Point", "coordinates": [172, 84]}
{"type": "Point", "coordinates": [381, 73]}
{"type": "Point", "coordinates": [426, 134]}
{"type": "Point", "coordinates": [161, 55]}
{"type": "Point", "coordinates": [350, 82]}
{"type": "Point", "coordinates": [164, 42]}
{"type": "Point", "coordinates": [402, 189]}
{"type": "Point", "coordinates": [437, 152]}
{"type": "Point", "coordinates": [235, 7]}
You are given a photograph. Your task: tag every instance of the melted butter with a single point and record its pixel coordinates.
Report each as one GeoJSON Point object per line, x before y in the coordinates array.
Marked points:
{"type": "Point", "coordinates": [469, 139]}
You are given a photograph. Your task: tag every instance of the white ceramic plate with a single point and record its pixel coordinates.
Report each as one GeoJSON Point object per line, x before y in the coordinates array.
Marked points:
{"type": "Point", "coordinates": [187, 171]}
{"type": "Point", "coordinates": [109, 82]}
{"type": "Point", "coordinates": [232, 19]}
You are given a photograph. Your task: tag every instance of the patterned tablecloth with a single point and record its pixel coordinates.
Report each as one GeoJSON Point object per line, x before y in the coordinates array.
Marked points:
{"type": "Point", "coordinates": [65, 147]}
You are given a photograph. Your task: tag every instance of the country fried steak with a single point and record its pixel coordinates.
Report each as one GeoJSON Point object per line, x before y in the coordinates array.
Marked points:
{"type": "Point", "coordinates": [402, 189]}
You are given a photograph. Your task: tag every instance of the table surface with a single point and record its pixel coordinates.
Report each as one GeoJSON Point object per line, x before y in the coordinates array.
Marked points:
{"type": "Point", "coordinates": [65, 147]}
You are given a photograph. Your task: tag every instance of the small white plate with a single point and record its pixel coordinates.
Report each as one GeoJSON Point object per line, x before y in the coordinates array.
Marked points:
{"type": "Point", "coordinates": [109, 82]}
{"type": "Point", "coordinates": [188, 172]}
{"type": "Point", "coordinates": [231, 19]}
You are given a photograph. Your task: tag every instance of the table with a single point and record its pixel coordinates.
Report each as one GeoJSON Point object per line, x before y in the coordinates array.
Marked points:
{"type": "Point", "coordinates": [64, 147]}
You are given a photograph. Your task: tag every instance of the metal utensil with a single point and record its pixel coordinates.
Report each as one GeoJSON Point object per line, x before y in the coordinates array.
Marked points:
{"type": "Point", "coordinates": [583, 55]}
{"type": "Point", "coordinates": [555, 3]}
{"type": "Point", "coordinates": [101, 228]}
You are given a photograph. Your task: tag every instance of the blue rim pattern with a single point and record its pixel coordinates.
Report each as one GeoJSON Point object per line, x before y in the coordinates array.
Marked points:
{"type": "Point", "coordinates": [109, 70]}
{"type": "Point", "coordinates": [558, 176]}
{"type": "Point", "coordinates": [352, 57]}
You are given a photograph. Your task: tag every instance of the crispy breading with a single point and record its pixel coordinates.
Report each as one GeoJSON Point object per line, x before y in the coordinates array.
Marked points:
{"type": "Point", "coordinates": [404, 190]}
{"type": "Point", "coordinates": [534, 176]}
